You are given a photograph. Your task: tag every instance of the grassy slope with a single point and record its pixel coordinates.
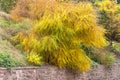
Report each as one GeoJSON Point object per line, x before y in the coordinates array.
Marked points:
{"type": "Point", "coordinates": [7, 47]}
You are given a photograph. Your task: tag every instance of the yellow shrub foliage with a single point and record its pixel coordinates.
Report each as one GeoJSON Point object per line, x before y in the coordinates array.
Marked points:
{"type": "Point", "coordinates": [33, 9]}
{"type": "Point", "coordinates": [110, 18]}
{"type": "Point", "coordinates": [34, 58]}
{"type": "Point", "coordinates": [109, 6]}
{"type": "Point", "coordinates": [58, 34]}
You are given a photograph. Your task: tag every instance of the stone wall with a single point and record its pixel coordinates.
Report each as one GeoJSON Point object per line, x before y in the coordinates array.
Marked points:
{"type": "Point", "coordinates": [54, 73]}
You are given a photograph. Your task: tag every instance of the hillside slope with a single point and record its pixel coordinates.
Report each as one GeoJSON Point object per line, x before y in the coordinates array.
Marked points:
{"type": "Point", "coordinates": [6, 46]}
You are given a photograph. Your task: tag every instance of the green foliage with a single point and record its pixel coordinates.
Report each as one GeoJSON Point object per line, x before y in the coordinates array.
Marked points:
{"type": "Point", "coordinates": [118, 1]}
{"type": "Point", "coordinates": [59, 33]}
{"type": "Point", "coordinates": [17, 26]}
{"type": "Point", "coordinates": [89, 50]}
{"type": "Point", "coordinates": [99, 56]}
{"type": "Point", "coordinates": [7, 61]}
{"type": "Point", "coordinates": [7, 5]}
{"type": "Point", "coordinates": [5, 23]}
{"type": "Point", "coordinates": [95, 63]}
{"type": "Point", "coordinates": [103, 58]}
{"type": "Point", "coordinates": [109, 59]}
{"type": "Point", "coordinates": [116, 46]}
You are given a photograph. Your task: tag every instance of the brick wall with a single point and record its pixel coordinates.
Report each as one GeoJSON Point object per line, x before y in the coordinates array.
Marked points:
{"type": "Point", "coordinates": [54, 73]}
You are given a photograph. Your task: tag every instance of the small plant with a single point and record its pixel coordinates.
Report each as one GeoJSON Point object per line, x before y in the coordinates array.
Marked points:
{"type": "Point", "coordinates": [7, 5]}
{"type": "Point", "coordinates": [110, 18]}
{"type": "Point", "coordinates": [18, 25]}
{"type": "Point", "coordinates": [104, 58]}
{"type": "Point", "coordinates": [116, 46]}
{"type": "Point", "coordinates": [109, 59]}
{"type": "Point", "coordinates": [7, 61]}
{"type": "Point", "coordinates": [34, 59]}
{"type": "Point", "coordinates": [98, 56]}
{"type": "Point", "coordinates": [4, 23]}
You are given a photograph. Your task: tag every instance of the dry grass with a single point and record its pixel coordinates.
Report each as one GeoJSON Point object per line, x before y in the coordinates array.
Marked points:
{"type": "Point", "coordinates": [5, 15]}
{"type": "Point", "coordinates": [6, 46]}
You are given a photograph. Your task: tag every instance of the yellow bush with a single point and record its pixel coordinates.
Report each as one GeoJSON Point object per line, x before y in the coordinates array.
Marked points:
{"type": "Point", "coordinates": [110, 18]}
{"type": "Point", "coordinates": [34, 59]}
{"type": "Point", "coordinates": [33, 9]}
{"type": "Point", "coordinates": [58, 34]}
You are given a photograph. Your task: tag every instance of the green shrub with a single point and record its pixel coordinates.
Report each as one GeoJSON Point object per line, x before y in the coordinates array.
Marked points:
{"type": "Point", "coordinates": [6, 5]}
{"type": "Point", "coordinates": [109, 59]}
{"type": "Point", "coordinates": [14, 27]}
{"type": "Point", "coordinates": [26, 23]}
{"type": "Point", "coordinates": [88, 50]}
{"type": "Point", "coordinates": [98, 56]}
{"type": "Point", "coordinates": [104, 58]}
{"type": "Point", "coordinates": [116, 46]}
{"type": "Point", "coordinates": [7, 61]}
